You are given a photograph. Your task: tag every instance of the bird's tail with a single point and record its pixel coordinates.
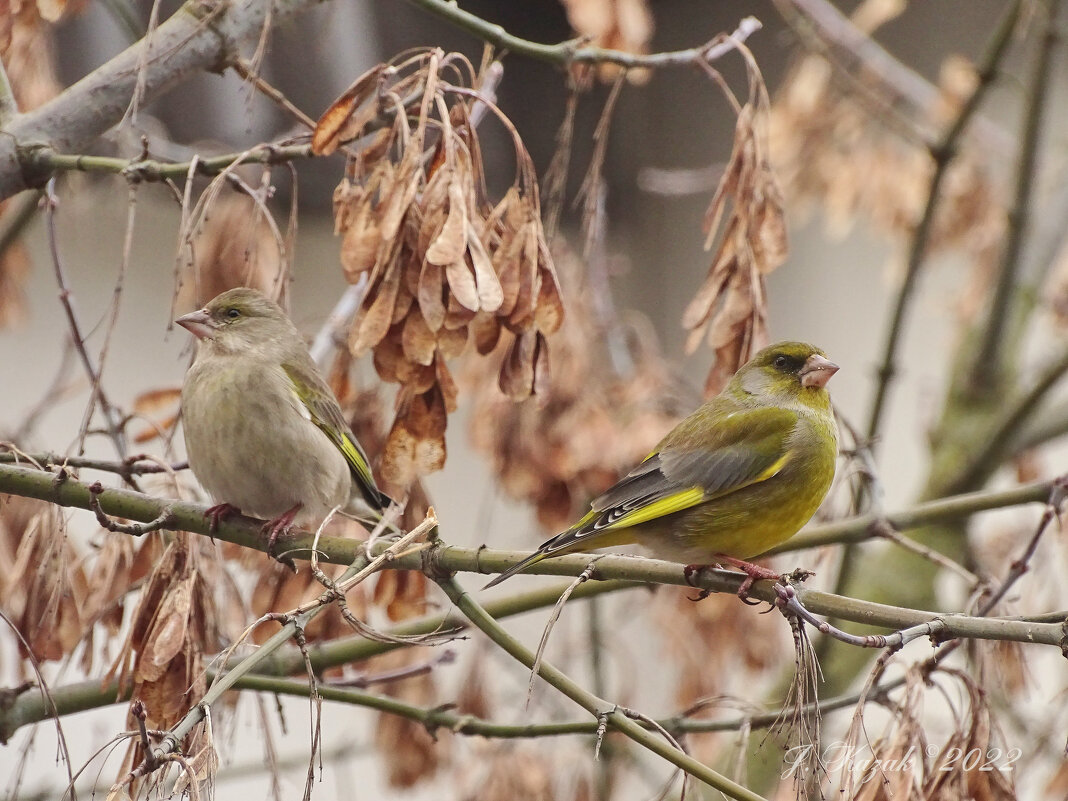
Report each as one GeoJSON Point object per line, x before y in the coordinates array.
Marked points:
{"type": "Point", "coordinates": [533, 559]}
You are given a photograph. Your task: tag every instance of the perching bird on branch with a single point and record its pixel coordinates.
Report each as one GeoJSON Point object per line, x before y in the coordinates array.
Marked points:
{"type": "Point", "coordinates": [263, 432]}
{"type": "Point", "coordinates": [737, 477]}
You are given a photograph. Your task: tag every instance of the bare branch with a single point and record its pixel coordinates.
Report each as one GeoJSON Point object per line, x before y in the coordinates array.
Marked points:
{"type": "Point", "coordinates": [205, 36]}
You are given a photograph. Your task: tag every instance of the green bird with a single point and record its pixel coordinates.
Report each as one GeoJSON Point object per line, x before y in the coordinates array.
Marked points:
{"type": "Point", "coordinates": [263, 432]}
{"type": "Point", "coordinates": [737, 477]}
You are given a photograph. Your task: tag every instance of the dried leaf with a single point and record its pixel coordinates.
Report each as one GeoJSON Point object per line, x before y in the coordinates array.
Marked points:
{"type": "Point", "coordinates": [462, 285]}
{"type": "Point", "coordinates": [415, 446]}
{"type": "Point", "coordinates": [418, 340]}
{"type": "Point", "coordinates": [431, 288]}
{"type": "Point", "coordinates": [452, 341]}
{"type": "Point", "coordinates": [487, 331]}
{"type": "Point", "coordinates": [337, 121]}
{"type": "Point", "coordinates": [451, 243]}
{"type": "Point", "coordinates": [361, 243]}
{"type": "Point", "coordinates": [490, 293]}
{"type": "Point", "coordinates": [517, 371]}
{"type": "Point", "coordinates": [160, 408]}
{"type": "Point", "coordinates": [377, 316]}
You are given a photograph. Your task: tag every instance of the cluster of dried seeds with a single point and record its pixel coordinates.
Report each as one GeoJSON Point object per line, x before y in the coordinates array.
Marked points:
{"type": "Point", "coordinates": [444, 266]}
{"type": "Point", "coordinates": [730, 308]}
{"type": "Point", "coordinates": [612, 400]}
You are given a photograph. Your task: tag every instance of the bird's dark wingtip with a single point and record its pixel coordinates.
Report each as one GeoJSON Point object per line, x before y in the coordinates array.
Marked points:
{"type": "Point", "coordinates": [537, 556]}
{"type": "Point", "coordinates": [382, 500]}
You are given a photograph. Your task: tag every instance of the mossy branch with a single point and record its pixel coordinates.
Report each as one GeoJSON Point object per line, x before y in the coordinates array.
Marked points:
{"type": "Point", "coordinates": [63, 489]}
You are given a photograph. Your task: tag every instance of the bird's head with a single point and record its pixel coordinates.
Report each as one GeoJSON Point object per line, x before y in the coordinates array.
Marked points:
{"type": "Point", "coordinates": [240, 320]}
{"type": "Point", "coordinates": [787, 371]}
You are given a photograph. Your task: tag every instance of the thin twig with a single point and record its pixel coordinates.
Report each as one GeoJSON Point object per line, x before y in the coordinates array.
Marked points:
{"type": "Point", "coordinates": [151, 170]}
{"type": "Point", "coordinates": [883, 529]}
{"type": "Point", "coordinates": [134, 465]}
{"type": "Point", "coordinates": [592, 704]}
{"type": "Point", "coordinates": [245, 69]}
{"type": "Point", "coordinates": [112, 418]}
{"type": "Point", "coordinates": [942, 154]}
{"type": "Point", "coordinates": [987, 367]}
{"type": "Point", "coordinates": [574, 52]}
{"type": "Point", "coordinates": [558, 609]}
{"type": "Point", "coordinates": [1020, 564]}
{"type": "Point", "coordinates": [165, 519]}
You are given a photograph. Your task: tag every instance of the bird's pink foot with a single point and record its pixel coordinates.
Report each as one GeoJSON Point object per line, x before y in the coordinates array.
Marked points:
{"type": "Point", "coordinates": [753, 572]}
{"type": "Point", "coordinates": [219, 512]}
{"type": "Point", "coordinates": [689, 573]}
{"type": "Point", "coordinates": [273, 529]}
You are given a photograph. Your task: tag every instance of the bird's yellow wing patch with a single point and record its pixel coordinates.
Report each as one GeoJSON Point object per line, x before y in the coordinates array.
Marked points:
{"type": "Point", "coordinates": [669, 504]}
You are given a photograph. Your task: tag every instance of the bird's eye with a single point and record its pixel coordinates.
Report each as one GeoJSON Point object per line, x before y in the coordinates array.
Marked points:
{"type": "Point", "coordinates": [781, 362]}
{"type": "Point", "coordinates": [233, 313]}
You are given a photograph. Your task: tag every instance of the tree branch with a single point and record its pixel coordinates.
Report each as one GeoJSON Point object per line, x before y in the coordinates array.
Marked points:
{"type": "Point", "coordinates": [64, 490]}
{"type": "Point", "coordinates": [200, 36]}
{"type": "Point", "coordinates": [573, 52]}
{"type": "Point", "coordinates": [135, 170]}
{"type": "Point", "coordinates": [987, 365]}
{"type": "Point", "coordinates": [943, 153]}
{"type": "Point", "coordinates": [601, 709]}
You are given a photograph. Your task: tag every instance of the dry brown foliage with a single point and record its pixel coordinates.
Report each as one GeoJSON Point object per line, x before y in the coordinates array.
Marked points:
{"type": "Point", "coordinates": [730, 308]}
{"type": "Point", "coordinates": [444, 265]}
{"type": "Point", "coordinates": [27, 54]}
{"type": "Point", "coordinates": [233, 244]}
{"type": "Point", "coordinates": [625, 25]}
{"type": "Point", "coordinates": [831, 145]}
{"type": "Point", "coordinates": [411, 754]}
{"type": "Point", "coordinates": [596, 423]}
{"type": "Point", "coordinates": [173, 626]}
{"type": "Point", "coordinates": [955, 773]}
{"type": "Point", "coordinates": [43, 585]}
{"type": "Point", "coordinates": [903, 764]}
{"type": "Point", "coordinates": [514, 772]}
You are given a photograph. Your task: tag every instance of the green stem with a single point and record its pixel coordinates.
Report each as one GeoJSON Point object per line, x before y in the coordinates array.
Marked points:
{"type": "Point", "coordinates": [571, 52]}
{"type": "Point", "coordinates": [64, 490]}
{"type": "Point", "coordinates": [598, 707]}
{"type": "Point", "coordinates": [150, 170]}
{"type": "Point", "coordinates": [943, 510]}
{"type": "Point", "coordinates": [31, 707]}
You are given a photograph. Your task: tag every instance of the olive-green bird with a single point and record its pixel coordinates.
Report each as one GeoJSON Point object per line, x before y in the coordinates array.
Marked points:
{"type": "Point", "coordinates": [263, 432]}
{"type": "Point", "coordinates": [734, 479]}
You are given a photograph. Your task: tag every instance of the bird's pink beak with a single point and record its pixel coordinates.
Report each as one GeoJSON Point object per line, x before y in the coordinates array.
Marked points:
{"type": "Point", "coordinates": [198, 323]}
{"type": "Point", "coordinates": [816, 372]}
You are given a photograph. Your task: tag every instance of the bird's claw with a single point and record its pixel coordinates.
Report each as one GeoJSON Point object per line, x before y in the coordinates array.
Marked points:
{"type": "Point", "coordinates": [752, 573]}
{"type": "Point", "coordinates": [688, 573]}
{"type": "Point", "coordinates": [280, 526]}
{"type": "Point", "coordinates": [220, 511]}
